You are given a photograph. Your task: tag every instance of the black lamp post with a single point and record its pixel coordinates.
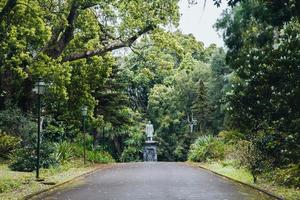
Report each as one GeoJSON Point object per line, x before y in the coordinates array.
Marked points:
{"type": "Point", "coordinates": [39, 89]}
{"type": "Point", "coordinates": [84, 110]}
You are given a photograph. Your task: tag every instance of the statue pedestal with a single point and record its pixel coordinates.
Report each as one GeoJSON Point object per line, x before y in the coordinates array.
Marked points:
{"type": "Point", "coordinates": [150, 154]}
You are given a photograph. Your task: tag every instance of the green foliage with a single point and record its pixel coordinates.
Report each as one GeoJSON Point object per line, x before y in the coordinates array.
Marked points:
{"type": "Point", "coordinates": [45, 39]}
{"type": "Point", "coordinates": [131, 154]}
{"type": "Point", "coordinates": [99, 157]}
{"type": "Point", "coordinates": [14, 122]}
{"type": "Point", "coordinates": [206, 148]}
{"type": "Point", "coordinates": [8, 143]}
{"type": "Point", "coordinates": [238, 152]}
{"type": "Point", "coordinates": [261, 101]}
{"type": "Point", "coordinates": [217, 89]}
{"type": "Point", "coordinates": [39, 39]}
{"type": "Point", "coordinates": [288, 176]}
{"type": "Point", "coordinates": [133, 146]}
{"type": "Point", "coordinates": [8, 184]}
{"type": "Point", "coordinates": [54, 131]}
{"type": "Point", "coordinates": [231, 136]}
{"type": "Point", "coordinates": [248, 155]}
{"type": "Point", "coordinates": [24, 159]}
{"type": "Point", "coordinates": [79, 140]}
{"type": "Point", "coordinates": [178, 95]}
{"type": "Point", "coordinates": [71, 150]}
{"type": "Point", "coordinates": [64, 151]}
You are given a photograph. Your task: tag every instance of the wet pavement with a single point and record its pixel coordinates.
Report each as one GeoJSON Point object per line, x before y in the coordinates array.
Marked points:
{"type": "Point", "coordinates": [155, 181]}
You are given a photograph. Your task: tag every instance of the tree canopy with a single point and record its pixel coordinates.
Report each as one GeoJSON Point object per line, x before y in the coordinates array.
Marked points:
{"type": "Point", "coordinates": [120, 59]}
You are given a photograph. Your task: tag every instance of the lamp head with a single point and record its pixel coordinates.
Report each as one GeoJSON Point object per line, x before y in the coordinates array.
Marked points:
{"type": "Point", "coordinates": [39, 87]}
{"type": "Point", "coordinates": [84, 110]}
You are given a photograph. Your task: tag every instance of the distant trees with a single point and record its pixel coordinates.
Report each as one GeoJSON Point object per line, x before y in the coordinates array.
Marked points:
{"type": "Point", "coordinates": [171, 86]}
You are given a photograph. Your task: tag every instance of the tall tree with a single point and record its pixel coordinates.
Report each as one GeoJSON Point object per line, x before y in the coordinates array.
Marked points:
{"type": "Point", "coordinates": [264, 55]}
{"type": "Point", "coordinates": [42, 37]}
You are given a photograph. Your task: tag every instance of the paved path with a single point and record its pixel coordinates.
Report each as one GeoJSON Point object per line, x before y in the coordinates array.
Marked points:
{"type": "Point", "coordinates": [155, 181]}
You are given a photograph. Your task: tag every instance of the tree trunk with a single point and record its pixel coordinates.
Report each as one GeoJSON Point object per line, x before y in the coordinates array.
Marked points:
{"type": "Point", "coordinates": [7, 8]}
{"type": "Point", "coordinates": [95, 134]}
{"type": "Point", "coordinates": [117, 145]}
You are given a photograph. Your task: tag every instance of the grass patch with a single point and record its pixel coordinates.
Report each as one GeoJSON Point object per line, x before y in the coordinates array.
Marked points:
{"type": "Point", "coordinates": [240, 174]}
{"type": "Point", "coordinates": [244, 175]}
{"type": "Point", "coordinates": [11, 180]}
{"type": "Point", "coordinates": [17, 185]}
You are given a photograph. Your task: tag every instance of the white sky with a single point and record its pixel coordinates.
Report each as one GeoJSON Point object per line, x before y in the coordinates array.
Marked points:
{"type": "Point", "coordinates": [199, 22]}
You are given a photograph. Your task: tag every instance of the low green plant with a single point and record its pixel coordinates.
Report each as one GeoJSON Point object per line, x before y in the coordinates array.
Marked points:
{"type": "Point", "coordinates": [78, 150]}
{"type": "Point", "coordinates": [8, 184]}
{"type": "Point", "coordinates": [54, 132]}
{"type": "Point", "coordinates": [7, 144]}
{"type": "Point", "coordinates": [287, 176]}
{"type": "Point", "coordinates": [24, 159]}
{"type": "Point", "coordinates": [64, 151]}
{"type": "Point", "coordinates": [206, 148]}
{"type": "Point", "coordinates": [16, 123]}
{"type": "Point", "coordinates": [88, 140]}
{"type": "Point", "coordinates": [95, 156]}
{"type": "Point", "coordinates": [238, 151]}
{"type": "Point", "coordinates": [133, 146]}
{"type": "Point", "coordinates": [130, 154]}
{"type": "Point", "coordinates": [99, 157]}
{"type": "Point", "coordinates": [231, 136]}
{"type": "Point", "coordinates": [252, 158]}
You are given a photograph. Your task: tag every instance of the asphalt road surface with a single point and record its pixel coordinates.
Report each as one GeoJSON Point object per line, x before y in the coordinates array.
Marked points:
{"type": "Point", "coordinates": [154, 181]}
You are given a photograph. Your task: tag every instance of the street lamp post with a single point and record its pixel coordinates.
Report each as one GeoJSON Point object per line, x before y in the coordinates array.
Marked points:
{"type": "Point", "coordinates": [39, 89]}
{"type": "Point", "coordinates": [84, 114]}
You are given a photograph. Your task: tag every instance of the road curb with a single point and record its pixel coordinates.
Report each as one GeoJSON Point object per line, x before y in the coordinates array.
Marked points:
{"type": "Point", "coordinates": [35, 194]}
{"type": "Point", "coordinates": [235, 180]}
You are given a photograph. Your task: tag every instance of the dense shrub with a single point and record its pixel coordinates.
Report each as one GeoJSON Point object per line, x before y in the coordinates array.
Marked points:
{"type": "Point", "coordinates": [231, 136]}
{"type": "Point", "coordinates": [54, 132]}
{"type": "Point", "coordinates": [288, 176]}
{"type": "Point", "coordinates": [96, 156]}
{"type": "Point", "coordinates": [206, 148]}
{"type": "Point", "coordinates": [280, 148]}
{"type": "Point", "coordinates": [89, 140]}
{"type": "Point", "coordinates": [64, 151]}
{"type": "Point", "coordinates": [24, 159]}
{"type": "Point", "coordinates": [7, 144]}
{"type": "Point", "coordinates": [248, 155]}
{"type": "Point", "coordinates": [133, 146]}
{"type": "Point", "coordinates": [99, 157]}
{"type": "Point", "coordinates": [14, 122]}
{"type": "Point", "coordinates": [130, 154]}
{"type": "Point", "coordinates": [238, 151]}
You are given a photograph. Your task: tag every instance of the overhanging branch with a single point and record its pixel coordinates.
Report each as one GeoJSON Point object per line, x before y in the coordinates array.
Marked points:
{"type": "Point", "coordinates": [112, 46]}
{"type": "Point", "coordinates": [56, 46]}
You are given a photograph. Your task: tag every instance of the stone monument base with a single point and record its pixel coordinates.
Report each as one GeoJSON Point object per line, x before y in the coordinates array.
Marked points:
{"type": "Point", "coordinates": [150, 154]}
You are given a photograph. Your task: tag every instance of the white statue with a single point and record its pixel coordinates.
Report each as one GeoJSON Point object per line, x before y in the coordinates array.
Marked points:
{"type": "Point", "coordinates": [149, 131]}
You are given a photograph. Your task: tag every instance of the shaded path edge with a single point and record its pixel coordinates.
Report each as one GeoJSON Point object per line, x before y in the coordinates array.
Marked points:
{"type": "Point", "coordinates": [74, 179]}
{"type": "Point", "coordinates": [198, 165]}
